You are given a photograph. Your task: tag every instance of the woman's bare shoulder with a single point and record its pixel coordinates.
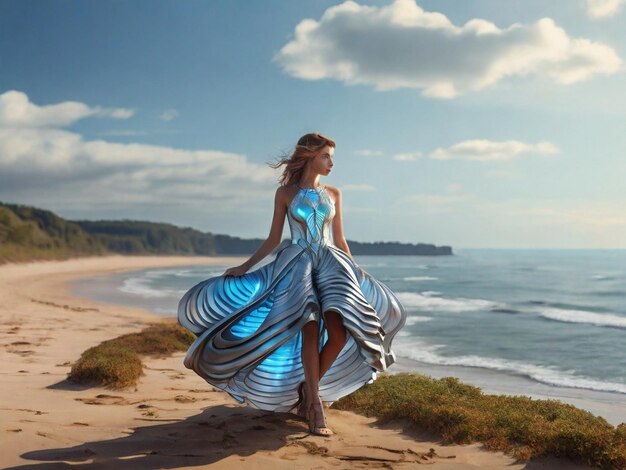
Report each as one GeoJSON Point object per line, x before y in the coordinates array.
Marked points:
{"type": "Point", "coordinates": [333, 190]}
{"type": "Point", "coordinates": [285, 193]}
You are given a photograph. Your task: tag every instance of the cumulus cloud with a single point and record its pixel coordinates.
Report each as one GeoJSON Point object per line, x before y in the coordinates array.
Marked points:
{"type": "Point", "coordinates": [402, 46]}
{"type": "Point", "coordinates": [16, 110]}
{"type": "Point", "coordinates": [38, 158]}
{"type": "Point", "coordinates": [603, 8]}
{"type": "Point", "coordinates": [480, 149]}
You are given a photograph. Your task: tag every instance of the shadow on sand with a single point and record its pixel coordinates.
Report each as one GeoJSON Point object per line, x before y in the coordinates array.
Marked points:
{"type": "Point", "coordinates": [202, 439]}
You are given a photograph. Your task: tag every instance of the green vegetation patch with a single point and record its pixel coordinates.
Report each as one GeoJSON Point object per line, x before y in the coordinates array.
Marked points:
{"type": "Point", "coordinates": [518, 425]}
{"type": "Point", "coordinates": [157, 339]}
{"type": "Point", "coordinates": [116, 363]}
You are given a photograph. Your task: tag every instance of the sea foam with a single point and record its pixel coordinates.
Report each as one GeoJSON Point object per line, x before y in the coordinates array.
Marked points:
{"type": "Point", "coordinates": [422, 301]}
{"type": "Point", "coordinates": [419, 350]}
{"type": "Point", "coordinates": [582, 316]}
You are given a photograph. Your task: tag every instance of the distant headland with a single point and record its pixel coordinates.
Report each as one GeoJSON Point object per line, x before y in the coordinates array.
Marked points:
{"type": "Point", "coordinates": [29, 233]}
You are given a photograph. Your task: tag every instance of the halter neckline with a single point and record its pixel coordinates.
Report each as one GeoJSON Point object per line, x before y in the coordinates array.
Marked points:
{"type": "Point", "coordinates": [314, 189]}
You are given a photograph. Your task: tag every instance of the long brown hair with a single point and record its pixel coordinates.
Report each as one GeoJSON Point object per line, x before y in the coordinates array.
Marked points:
{"type": "Point", "coordinates": [308, 147]}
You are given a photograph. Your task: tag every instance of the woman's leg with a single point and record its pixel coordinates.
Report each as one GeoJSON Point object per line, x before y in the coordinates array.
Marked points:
{"type": "Point", "coordinates": [310, 362]}
{"type": "Point", "coordinates": [310, 358]}
{"type": "Point", "coordinates": [336, 341]}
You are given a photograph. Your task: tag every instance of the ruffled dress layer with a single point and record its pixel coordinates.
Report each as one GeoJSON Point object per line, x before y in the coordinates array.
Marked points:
{"type": "Point", "coordinates": [248, 328]}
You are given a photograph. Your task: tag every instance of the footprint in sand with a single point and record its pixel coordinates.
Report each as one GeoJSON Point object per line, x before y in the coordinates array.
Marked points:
{"type": "Point", "coordinates": [367, 454]}
{"type": "Point", "coordinates": [16, 347]}
{"type": "Point", "coordinates": [37, 412]}
{"type": "Point", "coordinates": [104, 399]}
{"type": "Point", "coordinates": [65, 306]}
{"type": "Point", "coordinates": [193, 390]}
{"type": "Point", "coordinates": [229, 440]}
{"type": "Point", "coordinates": [311, 448]}
{"type": "Point", "coordinates": [184, 399]}
{"type": "Point", "coordinates": [178, 377]}
{"type": "Point", "coordinates": [21, 352]}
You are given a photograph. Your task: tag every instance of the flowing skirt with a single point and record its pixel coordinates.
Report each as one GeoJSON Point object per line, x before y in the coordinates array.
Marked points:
{"type": "Point", "coordinates": [248, 328]}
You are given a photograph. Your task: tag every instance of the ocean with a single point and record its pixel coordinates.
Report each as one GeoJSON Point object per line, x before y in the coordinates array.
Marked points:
{"type": "Point", "coordinates": [542, 323]}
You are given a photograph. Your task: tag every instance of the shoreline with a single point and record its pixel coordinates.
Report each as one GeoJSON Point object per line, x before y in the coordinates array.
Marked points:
{"type": "Point", "coordinates": [610, 405]}
{"type": "Point", "coordinates": [173, 418]}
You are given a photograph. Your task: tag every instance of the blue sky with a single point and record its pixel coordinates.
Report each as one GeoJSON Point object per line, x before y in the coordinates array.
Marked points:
{"type": "Point", "coordinates": [470, 124]}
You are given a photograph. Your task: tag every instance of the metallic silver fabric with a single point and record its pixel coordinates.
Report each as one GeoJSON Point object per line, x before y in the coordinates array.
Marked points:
{"type": "Point", "coordinates": [248, 327]}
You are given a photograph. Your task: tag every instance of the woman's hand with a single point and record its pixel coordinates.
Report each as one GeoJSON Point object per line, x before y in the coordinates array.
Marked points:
{"type": "Point", "coordinates": [236, 271]}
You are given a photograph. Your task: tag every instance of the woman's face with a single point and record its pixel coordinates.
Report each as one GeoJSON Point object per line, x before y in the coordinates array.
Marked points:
{"type": "Point", "coordinates": [323, 161]}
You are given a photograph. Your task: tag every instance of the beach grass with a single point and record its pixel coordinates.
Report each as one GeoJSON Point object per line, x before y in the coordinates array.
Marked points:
{"type": "Point", "coordinates": [520, 426]}
{"type": "Point", "coordinates": [116, 363]}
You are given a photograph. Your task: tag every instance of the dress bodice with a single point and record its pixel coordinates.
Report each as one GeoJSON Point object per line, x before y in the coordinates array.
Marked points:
{"type": "Point", "coordinates": [310, 214]}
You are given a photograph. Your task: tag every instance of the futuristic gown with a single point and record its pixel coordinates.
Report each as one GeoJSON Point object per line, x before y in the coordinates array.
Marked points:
{"type": "Point", "coordinates": [248, 327]}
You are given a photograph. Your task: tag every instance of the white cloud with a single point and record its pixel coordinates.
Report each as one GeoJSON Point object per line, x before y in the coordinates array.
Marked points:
{"type": "Point", "coordinates": [38, 159]}
{"type": "Point", "coordinates": [402, 46]}
{"type": "Point", "coordinates": [603, 8]}
{"type": "Point", "coordinates": [119, 113]}
{"type": "Point", "coordinates": [369, 153]}
{"type": "Point", "coordinates": [169, 114]}
{"type": "Point", "coordinates": [407, 157]}
{"type": "Point", "coordinates": [16, 110]}
{"type": "Point", "coordinates": [480, 149]}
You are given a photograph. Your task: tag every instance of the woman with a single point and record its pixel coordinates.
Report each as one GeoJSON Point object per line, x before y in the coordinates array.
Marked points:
{"type": "Point", "coordinates": [259, 327]}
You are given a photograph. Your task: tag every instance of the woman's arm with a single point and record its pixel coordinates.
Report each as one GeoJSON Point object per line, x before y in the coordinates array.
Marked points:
{"type": "Point", "coordinates": [337, 225]}
{"type": "Point", "coordinates": [276, 231]}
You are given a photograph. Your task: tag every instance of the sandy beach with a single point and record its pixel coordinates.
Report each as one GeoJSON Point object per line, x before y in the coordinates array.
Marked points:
{"type": "Point", "coordinates": [173, 419]}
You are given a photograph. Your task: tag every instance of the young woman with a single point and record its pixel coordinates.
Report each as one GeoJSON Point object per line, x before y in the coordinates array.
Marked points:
{"type": "Point", "coordinates": [259, 327]}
